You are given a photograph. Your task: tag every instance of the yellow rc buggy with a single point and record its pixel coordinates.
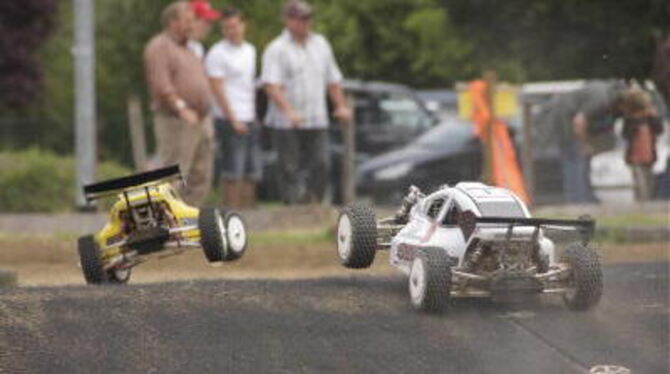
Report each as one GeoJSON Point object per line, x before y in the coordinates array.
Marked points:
{"type": "Point", "coordinates": [149, 219]}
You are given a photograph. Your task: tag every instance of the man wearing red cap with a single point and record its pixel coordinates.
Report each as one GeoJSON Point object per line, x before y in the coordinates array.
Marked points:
{"type": "Point", "coordinates": [205, 16]}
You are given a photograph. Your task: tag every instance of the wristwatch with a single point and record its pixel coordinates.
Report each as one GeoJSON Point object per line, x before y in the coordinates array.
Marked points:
{"type": "Point", "coordinates": [180, 104]}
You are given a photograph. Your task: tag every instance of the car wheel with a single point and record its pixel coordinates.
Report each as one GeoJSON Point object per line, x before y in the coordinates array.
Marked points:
{"type": "Point", "coordinates": [357, 236]}
{"type": "Point", "coordinates": [585, 283]}
{"type": "Point", "coordinates": [119, 276]}
{"type": "Point", "coordinates": [212, 234]}
{"type": "Point", "coordinates": [236, 236]}
{"type": "Point", "coordinates": [89, 258]}
{"type": "Point", "coordinates": [430, 280]}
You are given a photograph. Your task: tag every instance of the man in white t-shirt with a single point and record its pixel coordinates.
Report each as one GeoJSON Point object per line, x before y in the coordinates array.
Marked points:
{"type": "Point", "coordinates": [231, 67]}
{"type": "Point", "coordinates": [205, 16]}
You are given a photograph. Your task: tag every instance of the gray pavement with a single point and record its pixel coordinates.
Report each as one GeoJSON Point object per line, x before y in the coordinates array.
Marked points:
{"type": "Point", "coordinates": [352, 325]}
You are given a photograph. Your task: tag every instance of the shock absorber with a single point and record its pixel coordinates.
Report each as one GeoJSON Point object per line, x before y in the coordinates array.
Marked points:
{"type": "Point", "coordinates": [541, 261]}
{"type": "Point", "coordinates": [474, 258]}
{"type": "Point", "coordinates": [414, 194]}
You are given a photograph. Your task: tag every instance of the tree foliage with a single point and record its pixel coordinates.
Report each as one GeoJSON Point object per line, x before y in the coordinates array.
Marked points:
{"type": "Point", "coordinates": [34, 180]}
{"type": "Point", "coordinates": [563, 39]}
{"type": "Point", "coordinates": [24, 25]}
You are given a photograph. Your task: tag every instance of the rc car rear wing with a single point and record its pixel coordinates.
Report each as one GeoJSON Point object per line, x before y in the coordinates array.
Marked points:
{"type": "Point", "coordinates": [584, 226]}
{"type": "Point", "coordinates": [115, 186]}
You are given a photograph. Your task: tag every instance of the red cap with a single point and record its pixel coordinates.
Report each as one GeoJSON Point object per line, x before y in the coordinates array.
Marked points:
{"type": "Point", "coordinates": [203, 10]}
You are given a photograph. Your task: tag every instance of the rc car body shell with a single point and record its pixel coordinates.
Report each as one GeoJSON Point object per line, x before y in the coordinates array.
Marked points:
{"type": "Point", "coordinates": [424, 230]}
{"type": "Point", "coordinates": [112, 234]}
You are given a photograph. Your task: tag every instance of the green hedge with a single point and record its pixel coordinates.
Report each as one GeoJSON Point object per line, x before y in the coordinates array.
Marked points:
{"type": "Point", "coordinates": [38, 181]}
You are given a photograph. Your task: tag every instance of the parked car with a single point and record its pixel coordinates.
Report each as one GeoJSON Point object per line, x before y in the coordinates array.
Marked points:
{"type": "Point", "coordinates": [443, 103]}
{"type": "Point", "coordinates": [448, 153]}
{"type": "Point", "coordinates": [387, 117]}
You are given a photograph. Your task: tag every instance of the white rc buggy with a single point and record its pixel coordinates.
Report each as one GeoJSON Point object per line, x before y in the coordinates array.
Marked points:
{"type": "Point", "coordinates": [473, 240]}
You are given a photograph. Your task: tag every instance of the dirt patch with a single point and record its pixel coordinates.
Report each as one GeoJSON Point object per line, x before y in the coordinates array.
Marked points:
{"type": "Point", "coordinates": [43, 261]}
{"type": "Point", "coordinates": [263, 218]}
{"type": "Point", "coordinates": [53, 261]}
{"type": "Point", "coordinates": [629, 253]}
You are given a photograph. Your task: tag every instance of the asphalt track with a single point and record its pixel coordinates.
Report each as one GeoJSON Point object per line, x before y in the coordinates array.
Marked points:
{"type": "Point", "coordinates": [353, 325]}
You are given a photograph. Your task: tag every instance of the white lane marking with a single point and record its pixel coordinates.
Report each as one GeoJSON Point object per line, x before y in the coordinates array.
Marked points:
{"type": "Point", "coordinates": [609, 369]}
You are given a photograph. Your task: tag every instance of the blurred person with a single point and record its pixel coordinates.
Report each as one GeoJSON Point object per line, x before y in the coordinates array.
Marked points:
{"type": "Point", "coordinates": [661, 69]}
{"type": "Point", "coordinates": [231, 67]}
{"type": "Point", "coordinates": [661, 76]}
{"type": "Point", "coordinates": [641, 127]}
{"type": "Point", "coordinates": [298, 69]}
{"type": "Point", "coordinates": [180, 102]}
{"type": "Point", "coordinates": [205, 16]}
{"type": "Point", "coordinates": [583, 124]}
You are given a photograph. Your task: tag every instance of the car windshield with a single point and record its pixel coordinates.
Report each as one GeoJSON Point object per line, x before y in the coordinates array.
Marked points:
{"type": "Point", "coordinates": [402, 110]}
{"type": "Point", "coordinates": [395, 109]}
{"type": "Point", "coordinates": [453, 133]}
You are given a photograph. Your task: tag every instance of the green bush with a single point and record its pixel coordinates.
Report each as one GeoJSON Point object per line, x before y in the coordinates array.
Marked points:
{"type": "Point", "coordinates": [39, 181]}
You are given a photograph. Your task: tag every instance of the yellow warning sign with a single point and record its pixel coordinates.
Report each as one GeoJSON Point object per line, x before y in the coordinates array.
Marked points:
{"type": "Point", "coordinates": [506, 102]}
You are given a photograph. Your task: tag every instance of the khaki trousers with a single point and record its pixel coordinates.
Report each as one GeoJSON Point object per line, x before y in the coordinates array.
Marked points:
{"type": "Point", "coordinates": [192, 148]}
{"type": "Point", "coordinates": [644, 182]}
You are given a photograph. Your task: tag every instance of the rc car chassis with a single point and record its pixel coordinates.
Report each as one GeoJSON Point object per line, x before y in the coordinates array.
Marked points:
{"type": "Point", "coordinates": [150, 220]}
{"type": "Point", "coordinates": [473, 240]}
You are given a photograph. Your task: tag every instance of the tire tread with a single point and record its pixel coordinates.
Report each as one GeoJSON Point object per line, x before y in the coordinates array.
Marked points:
{"type": "Point", "coordinates": [210, 237]}
{"type": "Point", "coordinates": [363, 236]}
{"type": "Point", "coordinates": [89, 257]}
{"type": "Point", "coordinates": [588, 276]}
{"type": "Point", "coordinates": [438, 282]}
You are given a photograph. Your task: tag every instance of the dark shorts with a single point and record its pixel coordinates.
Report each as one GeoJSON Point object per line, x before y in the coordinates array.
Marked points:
{"type": "Point", "coordinates": [240, 153]}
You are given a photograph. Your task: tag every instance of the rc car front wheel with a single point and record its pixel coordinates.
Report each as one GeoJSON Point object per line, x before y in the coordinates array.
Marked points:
{"type": "Point", "coordinates": [212, 234]}
{"type": "Point", "coordinates": [430, 280]}
{"type": "Point", "coordinates": [89, 258]}
{"type": "Point", "coordinates": [119, 276]}
{"type": "Point", "coordinates": [236, 235]}
{"type": "Point", "coordinates": [357, 236]}
{"type": "Point", "coordinates": [585, 283]}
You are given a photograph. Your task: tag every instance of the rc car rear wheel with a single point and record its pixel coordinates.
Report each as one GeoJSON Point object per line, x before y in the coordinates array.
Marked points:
{"type": "Point", "coordinates": [89, 258]}
{"type": "Point", "coordinates": [357, 236]}
{"type": "Point", "coordinates": [430, 280]}
{"type": "Point", "coordinates": [236, 235]}
{"type": "Point", "coordinates": [212, 234]}
{"type": "Point", "coordinates": [585, 284]}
